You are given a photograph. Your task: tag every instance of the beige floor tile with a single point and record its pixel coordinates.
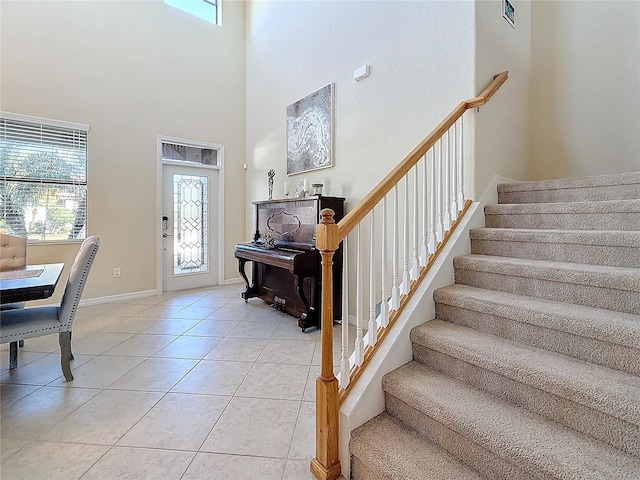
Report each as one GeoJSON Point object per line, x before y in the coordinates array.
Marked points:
{"type": "Point", "coordinates": [142, 345]}
{"type": "Point", "coordinates": [212, 328]}
{"type": "Point", "coordinates": [42, 371]}
{"type": "Point", "coordinates": [99, 372]}
{"type": "Point", "coordinates": [262, 329]}
{"type": "Point", "coordinates": [303, 442]}
{"type": "Point", "coordinates": [145, 377]}
{"type": "Point", "coordinates": [252, 426]}
{"type": "Point", "coordinates": [289, 329]}
{"type": "Point", "coordinates": [51, 461]}
{"type": "Point", "coordinates": [194, 312]}
{"type": "Point", "coordinates": [125, 309]}
{"type": "Point", "coordinates": [172, 326]}
{"type": "Point", "coordinates": [178, 422]}
{"type": "Point", "coordinates": [212, 466]}
{"type": "Point", "coordinates": [160, 311]}
{"type": "Point", "coordinates": [292, 352]}
{"type": "Point", "coordinates": [10, 393]}
{"type": "Point", "coordinates": [269, 380]}
{"type": "Point", "coordinates": [238, 349]}
{"type": "Point", "coordinates": [298, 470]}
{"type": "Point", "coordinates": [34, 414]}
{"type": "Point", "coordinates": [189, 347]}
{"type": "Point", "coordinates": [230, 314]}
{"type": "Point", "coordinates": [264, 313]}
{"type": "Point", "coordinates": [98, 309]}
{"type": "Point", "coordinates": [214, 377]}
{"type": "Point", "coordinates": [310, 387]}
{"type": "Point", "coordinates": [98, 343]}
{"type": "Point", "coordinates": [94, 323]}
{"type": "Point", "coordinates": [126, 463]}
{"type": "Point", "coordinates": [131, 325]}
{"type": "Point", "coordinates": [9, 446]}
{"type": "Point", "coordinates": [24, 358]}
{"type": "Point", "coordinates": [105, 418]}
{"type": "Point", "coordinates": [211, 301]}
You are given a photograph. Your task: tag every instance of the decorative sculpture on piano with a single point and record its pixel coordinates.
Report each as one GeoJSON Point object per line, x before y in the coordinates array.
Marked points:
{"type": "Point", "coordinates": [271, 174]}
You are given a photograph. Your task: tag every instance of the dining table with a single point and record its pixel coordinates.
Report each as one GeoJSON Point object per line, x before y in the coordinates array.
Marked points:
{"type": "Point", "coordinates": [33, 282]}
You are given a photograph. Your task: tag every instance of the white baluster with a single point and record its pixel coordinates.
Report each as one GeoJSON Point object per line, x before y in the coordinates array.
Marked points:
{"type": "Point", "coordinates": [344, 378]}
{"type": "Point", "coordinates": [454, 174]}
{"type": "Point", "coordinates": [415, 265]}
{"type": "Point", "coordinates": [461, 181]}
{"type": "Point", "coordinates": [424, 251]}
{"type": "Point", "coordinates": [372, 331]}
{"type": "Point", "coordinates": [384, 305]}
{"type": "Point", "coordinates": [395, 288]}
{"type": "Point", "coordinates": [447, 185]}
{"type": "Point", "coordinates": [433, 238]}
{"type": "Point", "coordinates": [359, 348]}
{"type": "Point", "coordinates": [406, 276]}
{"type": "Point", "coordinates": [439, 178]}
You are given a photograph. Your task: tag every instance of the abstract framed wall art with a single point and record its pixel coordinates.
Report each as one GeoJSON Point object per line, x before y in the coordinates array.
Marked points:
{"type": "Point", "coordinates": [310, 132]}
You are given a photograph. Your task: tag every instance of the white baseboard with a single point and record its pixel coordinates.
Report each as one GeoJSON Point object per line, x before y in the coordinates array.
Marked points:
{"type": "Point", "coordinates": [117, 298]}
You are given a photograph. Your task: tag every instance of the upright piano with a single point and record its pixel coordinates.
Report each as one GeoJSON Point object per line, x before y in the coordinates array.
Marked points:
{"type": "Point", "coordinates": [286, 265]}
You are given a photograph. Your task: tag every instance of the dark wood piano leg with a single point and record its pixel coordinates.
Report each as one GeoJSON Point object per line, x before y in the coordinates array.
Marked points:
{"type": "Point", "coordinates": [249, 291]}
{"type": "Point", "coordinates": [308, 319]}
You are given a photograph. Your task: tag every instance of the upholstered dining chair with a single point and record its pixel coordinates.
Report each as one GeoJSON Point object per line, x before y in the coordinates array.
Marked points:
{"type": "Point", "coordinates": [38, 321]}
{"type": "Point", "coordinates": [13, 254]}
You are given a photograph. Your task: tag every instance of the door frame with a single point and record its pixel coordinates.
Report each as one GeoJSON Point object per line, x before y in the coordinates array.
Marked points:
{"type": "Point", "coordinates": [159, 200]}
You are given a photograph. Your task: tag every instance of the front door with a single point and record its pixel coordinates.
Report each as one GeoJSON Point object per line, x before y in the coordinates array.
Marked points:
{"type": "Point", "coordinates": [189, 217]}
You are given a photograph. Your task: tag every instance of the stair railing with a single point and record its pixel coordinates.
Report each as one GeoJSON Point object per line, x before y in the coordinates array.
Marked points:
{"type": "Point", "coordinates": [430, 180]}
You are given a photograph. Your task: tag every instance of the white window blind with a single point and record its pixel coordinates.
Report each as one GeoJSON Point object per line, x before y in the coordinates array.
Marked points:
{"type": "Point", "coordinates": [43, 178]}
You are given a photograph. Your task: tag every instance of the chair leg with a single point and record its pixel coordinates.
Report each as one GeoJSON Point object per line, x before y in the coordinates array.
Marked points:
{"type": "Point", "coordinates": [13, 355]}
{"type": "Point", "coordinates": [72, 358]}
{"type": "Point", "coordinates": [65, 354]}
{"type": "Point", "coordinates": [21, 343]}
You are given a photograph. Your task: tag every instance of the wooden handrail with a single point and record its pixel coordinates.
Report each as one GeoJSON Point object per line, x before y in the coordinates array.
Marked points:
{"type": "Point", "coordinates": [326, 464]}
{"type": "Point", "coordinates": [355, 216]}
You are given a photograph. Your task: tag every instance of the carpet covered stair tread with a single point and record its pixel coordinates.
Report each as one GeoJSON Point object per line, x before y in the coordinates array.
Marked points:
{"type": "Point", "coordinates": [609, 391]}
{"type": "Point", "coordinates": [599, 238]}
{"type": "Point", "coordinates": [619, 278]}
{"type": "Point", "coordinates": [602, 187]}
{"type": "Point", "coordinates": [600, 207]}
{"type": "Point", "coordinates": [543, 448]}
{"type": "Point", "coordinates": [600, 215]}
{"type": "Point", "coordinates": [393, 451]}
{"type": "Point", "coordinates": [614, 327]}
{"type": "Point", "coordinates": [598, 247]}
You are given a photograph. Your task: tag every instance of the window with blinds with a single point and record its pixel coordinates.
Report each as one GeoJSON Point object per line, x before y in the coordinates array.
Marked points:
{"type": "Point", "coordinates": [43, 178]}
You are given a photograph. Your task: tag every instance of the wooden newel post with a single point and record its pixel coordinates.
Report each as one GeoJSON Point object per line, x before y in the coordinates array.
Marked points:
{"type": "Point", "coordinates": [326, 464]}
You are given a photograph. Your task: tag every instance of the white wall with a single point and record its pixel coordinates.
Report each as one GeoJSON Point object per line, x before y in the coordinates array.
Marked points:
{"type": "Point", "coordinates": [585, 88]}
{"type": "Point", "coordinates": [421, 59]}
{"type": "Point", "coordinates": [131, 70]}
{"type": "Point", "coordinates": [502, 126]}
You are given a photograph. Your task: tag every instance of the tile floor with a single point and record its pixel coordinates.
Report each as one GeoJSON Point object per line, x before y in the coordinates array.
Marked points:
{"type": "Point", "coordinates": [194, 385]}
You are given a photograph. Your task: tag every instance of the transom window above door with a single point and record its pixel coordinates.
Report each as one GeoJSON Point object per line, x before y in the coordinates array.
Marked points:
{"type": "Point", "coordinates": [208, 10]}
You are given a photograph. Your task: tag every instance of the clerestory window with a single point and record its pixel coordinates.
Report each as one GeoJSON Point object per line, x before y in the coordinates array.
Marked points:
{"type": "Point", "coordinates": [43, 178]}
{"type": "Point", "coordinates": [208, 10]}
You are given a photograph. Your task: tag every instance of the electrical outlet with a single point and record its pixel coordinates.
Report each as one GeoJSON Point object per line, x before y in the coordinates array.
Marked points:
{"type": "Point", "coordinates": [116, 272]}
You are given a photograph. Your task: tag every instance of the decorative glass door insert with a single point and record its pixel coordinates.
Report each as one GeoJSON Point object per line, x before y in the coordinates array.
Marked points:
{"type": "Point", "coordinates": [190, 226]}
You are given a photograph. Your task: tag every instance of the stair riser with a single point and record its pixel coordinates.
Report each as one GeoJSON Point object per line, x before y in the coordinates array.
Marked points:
{"type": "Point", "coordinates": [592, 350]}
{"type": "Point", "coordinates": [566, 221]}
{"type": "Point", "coordinates": [585, 194]}
{"type": "Point", "coordinates": [560, 252]}
{"type": "Point", "coordinates": [611, 430]}
{"type": "Point", "coordinates": [359, 471]}
{"type": "Point", "coordinates": [589, 295]}
{"type": "Point", "coordinates": [469, 452]}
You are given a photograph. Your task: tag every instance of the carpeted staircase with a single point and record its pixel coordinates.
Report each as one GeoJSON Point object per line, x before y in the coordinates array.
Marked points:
{"type": "Point", "coordinates": [531, 368]}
